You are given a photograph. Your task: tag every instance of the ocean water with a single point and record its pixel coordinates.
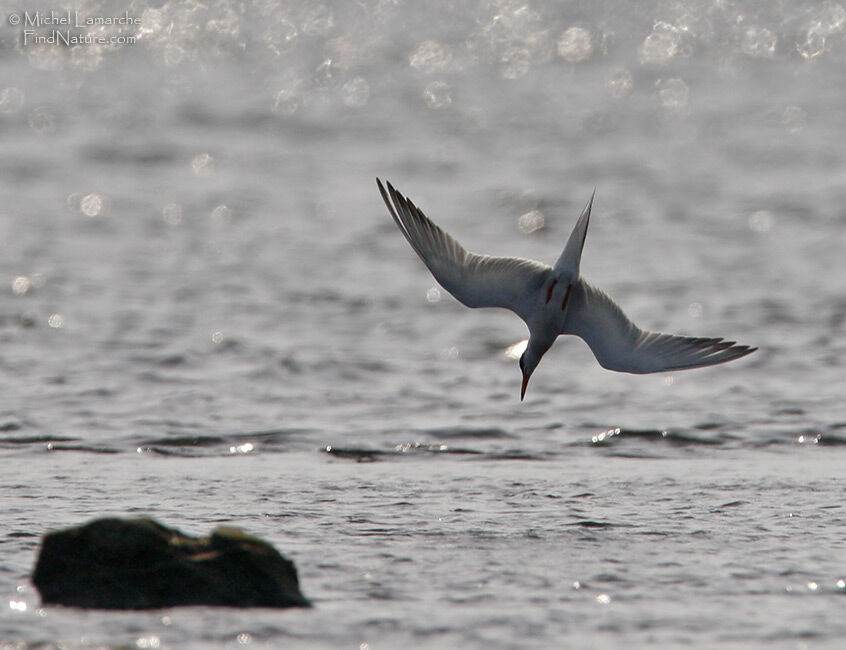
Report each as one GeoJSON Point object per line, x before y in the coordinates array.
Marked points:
{"type": "Point", "coordinates": [207, 316]}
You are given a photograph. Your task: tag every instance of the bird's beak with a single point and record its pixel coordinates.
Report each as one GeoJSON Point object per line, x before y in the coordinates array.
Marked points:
{"type": "Point", "coordinates": [523, 389]}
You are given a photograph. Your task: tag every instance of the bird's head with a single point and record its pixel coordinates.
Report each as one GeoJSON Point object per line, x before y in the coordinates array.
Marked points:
{"type": "Point", "coordinates": [528, 362]}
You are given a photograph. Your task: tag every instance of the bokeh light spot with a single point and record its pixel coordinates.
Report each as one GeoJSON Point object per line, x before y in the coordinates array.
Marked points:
{"type": "Point", "coordinates": [203, 164]}
{"type": "Point", "coordinates": [673, 95]}
{"type": "Point", "coordinates": [620, 83]}
{"type": "Point", "coordinates": [41, 120]}
{"type": "Point", "coordinates": [92, 205]}
{"type": "Point", "coordinates": [661, 45]}
{"type": "Point", "coordinates": [11, 100]}
{"type": "Point", "coordinates": [317, 20]}
{"type": "Point", "coordinates": [451, 353]}
{"type": "Point", "coordinates": [221, 215]}
{"type": "Point", "coordinates": [758, 42]}
{"type": "Point", "coordinates": [813, 44]}
{"type": "Point", "coordinates": [172, 214]}
{"type": "Point", "coordinates": [437, 95]}
{"type": "Point", "coordinates": [794, 118]}
{"type": "Point", "coordinates": [355, 92]}
{"type": "Point", "coordinates": [431, 57]}
{"type": "Point", "coordinates": [575, 45]}
{"type": "Point", "coordinates": [21, 285]}
{"type": "Point", "coordinates": [516, 62]}
{"type": "Point", "coordinates": [760, 221]}
{"type": "Point", "coordinates": [531, 221]}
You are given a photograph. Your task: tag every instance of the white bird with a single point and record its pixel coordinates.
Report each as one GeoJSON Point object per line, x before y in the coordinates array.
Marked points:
{"type": "Point", "coordinates": [552, 300]}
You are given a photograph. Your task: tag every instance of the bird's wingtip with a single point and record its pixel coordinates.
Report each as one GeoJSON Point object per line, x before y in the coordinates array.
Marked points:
{"type": "Point", "coordinates": [589, 205]}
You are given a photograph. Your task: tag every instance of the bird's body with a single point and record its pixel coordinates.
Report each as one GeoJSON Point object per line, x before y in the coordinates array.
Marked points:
{"type": "Point", "coordinates": [552, 300]}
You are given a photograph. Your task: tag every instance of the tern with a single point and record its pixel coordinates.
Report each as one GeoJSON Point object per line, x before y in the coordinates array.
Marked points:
{"type": "Point", "coordinates": [552, 300]}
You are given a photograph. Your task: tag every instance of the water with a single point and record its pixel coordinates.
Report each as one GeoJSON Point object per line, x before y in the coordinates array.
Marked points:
{"type": "Point", "coordinates": [207, 316]}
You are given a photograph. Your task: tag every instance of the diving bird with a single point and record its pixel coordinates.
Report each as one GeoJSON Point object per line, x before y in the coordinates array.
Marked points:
{"type": "Point", "coordinates": [552, 300]}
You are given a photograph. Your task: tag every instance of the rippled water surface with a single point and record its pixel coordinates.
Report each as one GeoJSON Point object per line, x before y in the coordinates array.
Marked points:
{"type": "Point", "coordinates": [207, 316]}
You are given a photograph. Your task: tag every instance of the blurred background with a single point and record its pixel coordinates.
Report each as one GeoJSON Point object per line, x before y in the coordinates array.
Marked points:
{"type": "Point", "coordinates": [192, 203]}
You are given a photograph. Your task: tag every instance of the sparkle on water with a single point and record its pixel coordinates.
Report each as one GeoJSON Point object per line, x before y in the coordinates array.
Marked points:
{"type": "Point", "coordinates": [430, 57]}
{"type": "Point", "coordinates": [661, 45]}
{"type": "Point", "coordinates": [511, 37]}
{"type": "Point", "coordinates": [761, 221]}
{"type": "Point", "coordinates": [516, 350]}
{"type": "Point", "coordinates": [673, 95]}
{"type": "Point", "coordinates": [172, 214]}
{"type": "Point", "coordinates": [11, 100]}
{"type": "Point", "coordinates": [758, 42]}
{"type": "Point", "coordinates": [245, 448]}
{"type": "Point", "coordinates": [694, 310]}
{"type": "Point", "coordinates": [437, 95]}
{"type": "Point", "coordinates": [575, 45]}
{"type": "Point", "coordinates": [221, 215]}
{"type": "Point", "coordinates": [531, 221]}
{"type": "Point", "coordinates": [604, 436]}
{"type": "Point", "coordinates": [203, 164]}
{"type": "Point", "coordinates": [56, 321]}
{"type": "Point", "coordinates": [451, 353]}
{"type": "Point", "coordinates": [41, 120]}
{"type": "Point", "coordinates": [355, 92]}
{"type": "Point", "coordinates": [794, 118]}
{"type": "Point", "coordinates": [92, 205]}
{"type": "Point", "coordinates": [21, 285]}
{"type": "Point", "coordinates": [620, 83]}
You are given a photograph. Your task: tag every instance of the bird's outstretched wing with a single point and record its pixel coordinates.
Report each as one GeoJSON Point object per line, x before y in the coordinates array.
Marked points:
{"type": "Point", "coordinates": [567, 265]}
{"type": "Point", "coordinates": [618, 344]}
{"type": "Point", "coordinates": [475, 280]}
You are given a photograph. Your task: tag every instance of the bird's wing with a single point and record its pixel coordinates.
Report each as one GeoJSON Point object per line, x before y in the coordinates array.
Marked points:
{"type": "Point", "coordinates": [618, 344]}
{"type": "Point", "coordinates": [475, 280]}
{"type": "Point", "coordinates": [568, 263]}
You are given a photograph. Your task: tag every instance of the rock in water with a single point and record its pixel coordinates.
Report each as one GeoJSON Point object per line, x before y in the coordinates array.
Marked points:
{"type": "Point", "coordinates": [140, 564]}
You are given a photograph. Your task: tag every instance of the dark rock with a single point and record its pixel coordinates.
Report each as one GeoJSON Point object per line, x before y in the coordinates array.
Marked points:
{"type": "Point", "coordinates": [140, 564]}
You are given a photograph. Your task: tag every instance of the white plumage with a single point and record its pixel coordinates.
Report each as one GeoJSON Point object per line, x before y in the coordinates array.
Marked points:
{"type": "Point", "coordinates": [552, 300]}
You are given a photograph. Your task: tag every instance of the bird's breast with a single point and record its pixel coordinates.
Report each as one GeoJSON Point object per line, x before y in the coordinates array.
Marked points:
{"type": "Point", "coordinates": [554, 298]}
